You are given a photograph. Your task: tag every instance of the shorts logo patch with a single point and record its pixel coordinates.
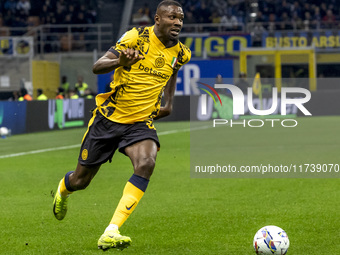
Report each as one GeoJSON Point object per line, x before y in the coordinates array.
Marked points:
{"type": "Point", "coordinates": [84, 154]}
{"type": "Point", "coordinates": [159, 62]}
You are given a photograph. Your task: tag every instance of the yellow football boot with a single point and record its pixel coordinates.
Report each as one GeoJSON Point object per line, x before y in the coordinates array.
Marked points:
{"type": "Point", "coordinates": [113, 239]}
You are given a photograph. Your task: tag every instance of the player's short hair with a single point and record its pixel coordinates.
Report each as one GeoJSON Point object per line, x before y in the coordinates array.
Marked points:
{"type": "Point", "coordinates": [168, 3]}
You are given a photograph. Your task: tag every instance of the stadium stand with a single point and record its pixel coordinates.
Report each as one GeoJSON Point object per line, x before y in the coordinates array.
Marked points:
{"type": "Point", "coordinates": [17, 13]}
{"type": "Point", "coordinates": [111, 12]}
{"type": "Point", "coordinates": [85, 26]}
{"type": "Point", "coordinates": [300, 14]}
{"type": "Point", "coordinates": [23, 17]}
{"type": "Point", "coordinates": [142, 13]}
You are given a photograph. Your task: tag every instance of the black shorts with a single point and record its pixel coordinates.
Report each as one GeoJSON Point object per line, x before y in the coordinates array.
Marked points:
{"type": "Point", "coordinates": [103, 137]}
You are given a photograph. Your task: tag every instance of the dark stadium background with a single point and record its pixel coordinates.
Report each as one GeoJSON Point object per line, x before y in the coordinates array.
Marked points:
{"type": "Point", "coordinates": [49, 39]}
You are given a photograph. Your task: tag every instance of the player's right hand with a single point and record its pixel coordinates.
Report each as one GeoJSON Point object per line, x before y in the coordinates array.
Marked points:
{"type": "Point", "coordinates": [129, 57]}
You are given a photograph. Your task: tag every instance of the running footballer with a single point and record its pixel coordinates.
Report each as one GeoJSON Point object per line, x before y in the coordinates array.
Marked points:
{"type": "Point", "coordinates": [146, 61]}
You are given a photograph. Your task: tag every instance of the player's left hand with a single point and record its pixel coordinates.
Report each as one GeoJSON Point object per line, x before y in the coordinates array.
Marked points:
{"type": "Point", "coordinates": [129, 57]}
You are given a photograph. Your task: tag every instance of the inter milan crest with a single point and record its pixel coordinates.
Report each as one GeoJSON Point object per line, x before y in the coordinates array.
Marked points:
{"type": "Point", "coordinates": [159, 62]}
{"type": "Point", "coordinates": [84, 154]}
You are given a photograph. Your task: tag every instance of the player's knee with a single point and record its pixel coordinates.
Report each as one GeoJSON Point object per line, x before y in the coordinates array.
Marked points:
{"type": "Point", "coordinates": [146, 166]}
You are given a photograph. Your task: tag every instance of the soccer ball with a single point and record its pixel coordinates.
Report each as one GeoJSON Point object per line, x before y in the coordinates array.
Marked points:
{"type": "Point", "coordinates": [271, 240]}
{"type": "Point", "coordinates": [4, 131]}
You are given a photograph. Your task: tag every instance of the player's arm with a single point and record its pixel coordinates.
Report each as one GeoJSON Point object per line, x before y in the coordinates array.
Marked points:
{"type": "Point", "coordinates": [111, 61]}
{"type": "Point", "coordinates": [169, 93]}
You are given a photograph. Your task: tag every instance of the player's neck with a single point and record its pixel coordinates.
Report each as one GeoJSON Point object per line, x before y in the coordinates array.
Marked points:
{"type": "Point", "coordinates": [164, 40]}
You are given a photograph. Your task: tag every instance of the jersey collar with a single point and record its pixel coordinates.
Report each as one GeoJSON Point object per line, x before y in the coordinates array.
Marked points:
{"type": "Point", "coordinates": [157, 41]}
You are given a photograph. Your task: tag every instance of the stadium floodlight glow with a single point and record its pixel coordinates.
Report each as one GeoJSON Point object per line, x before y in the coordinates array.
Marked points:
{"type": "Point", "coordinates": [253, 14]}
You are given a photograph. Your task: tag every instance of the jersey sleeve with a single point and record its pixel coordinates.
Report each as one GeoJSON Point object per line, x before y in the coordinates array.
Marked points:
{"type": "Point", "coordinates": [127, 40]}
{"type": "Point", "coordinates": [183, 57]}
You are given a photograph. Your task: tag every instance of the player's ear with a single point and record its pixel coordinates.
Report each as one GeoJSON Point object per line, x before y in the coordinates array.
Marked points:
{"type": "Point", "coordinates": [157, 19]}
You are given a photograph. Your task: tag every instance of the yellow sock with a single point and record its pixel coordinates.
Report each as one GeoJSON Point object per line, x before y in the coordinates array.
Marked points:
{"type": "Point", "coordinates": [128, 202]}
{"type": "Point", "coordinates": [62, 188]}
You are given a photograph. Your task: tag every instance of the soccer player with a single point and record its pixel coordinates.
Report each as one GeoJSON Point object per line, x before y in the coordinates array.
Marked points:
{"type": "Point", "coordinates": [146, 61]}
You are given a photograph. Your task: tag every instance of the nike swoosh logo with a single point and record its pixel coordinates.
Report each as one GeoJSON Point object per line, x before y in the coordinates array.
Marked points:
{"type": "Point", "coordinates": [146, 52]}
{"type": "Point", "coordinates": [129, 208]}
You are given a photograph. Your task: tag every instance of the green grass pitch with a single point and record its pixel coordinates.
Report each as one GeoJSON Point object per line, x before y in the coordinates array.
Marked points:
{"type": "Point", "coordinates": [178, 214]}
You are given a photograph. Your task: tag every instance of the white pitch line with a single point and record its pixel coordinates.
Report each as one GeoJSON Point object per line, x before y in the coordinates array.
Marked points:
{"type": "Point", "coordinates": [40, 151]}
{"type": "Point", "coordinates": [182, 130]}
{"type": "Point", "coordinates": [78, 145]}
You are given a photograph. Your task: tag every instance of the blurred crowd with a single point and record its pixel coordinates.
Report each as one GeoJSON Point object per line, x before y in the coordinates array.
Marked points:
{"type": "Point", "coordinates": [298, 14]}
{"type": "Point", "coordinates": [206, 11]}
{"type": "Point", "coordinates": [23, 13]}
{"type": "Point", "coordinates": [214, 11]}
{"type": "Point", "coordinates": [232, 14]}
